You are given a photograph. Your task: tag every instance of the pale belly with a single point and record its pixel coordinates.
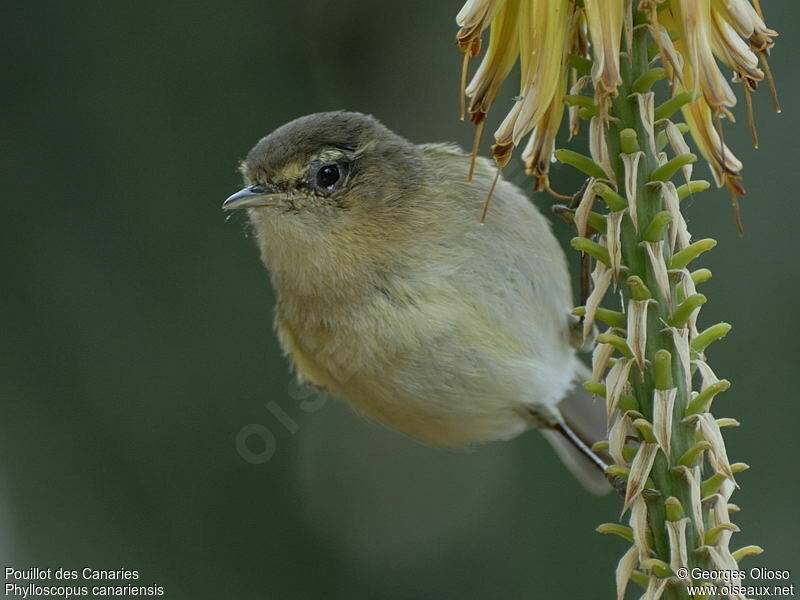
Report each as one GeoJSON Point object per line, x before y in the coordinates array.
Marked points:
{"type": "Point", "coordinates": [456, 396]}
{"type": "Point", "coordinates": [439, 417]}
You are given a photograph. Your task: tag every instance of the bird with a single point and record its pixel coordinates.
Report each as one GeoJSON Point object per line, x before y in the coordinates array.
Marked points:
{"type": "Point", "coordinates": [392, 295]}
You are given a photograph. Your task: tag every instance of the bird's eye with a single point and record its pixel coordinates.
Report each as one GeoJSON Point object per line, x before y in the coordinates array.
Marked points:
{"type": "Point", "coordinates": [329, 177]}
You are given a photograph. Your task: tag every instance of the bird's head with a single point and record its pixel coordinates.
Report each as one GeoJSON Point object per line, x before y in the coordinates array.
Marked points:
{"type": "Point", "coordinates": [333, 194]}
{"type": "Point", "coordinates": [325, 164]}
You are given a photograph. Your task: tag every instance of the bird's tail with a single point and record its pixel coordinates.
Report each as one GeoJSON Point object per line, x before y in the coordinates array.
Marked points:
{"type": "Point", "coordinates": [586, 416]}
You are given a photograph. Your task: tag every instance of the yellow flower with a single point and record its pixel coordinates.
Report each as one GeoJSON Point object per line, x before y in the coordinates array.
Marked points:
{"type": "Point", "coordinates": [708, 30]}
{"type": "Point", "coordinates": [538, 152]}
{"type": "Point", "coordinates": [500, 58]}
{"type": "Point", "coordinates": [542, 30]}
{"type": "Point", "coordinates": [535, 32]}
{"type": "Point", "coordinates": [473, 18]}
{"type": "Point", "coordinates": [725, 167]}
{"type": "Point", "coordinates": [553, 40]}
{"type": "Point", "coordinates": [605, 18]}
{"type": "Point", "coordinates": [693, 20]}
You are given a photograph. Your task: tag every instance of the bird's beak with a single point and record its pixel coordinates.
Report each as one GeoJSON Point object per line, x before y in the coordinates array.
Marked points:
{"type": "Point", "coordinates": [252, 196]}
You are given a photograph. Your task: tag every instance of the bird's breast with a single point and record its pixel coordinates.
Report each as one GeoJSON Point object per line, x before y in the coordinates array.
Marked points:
{"type": "Point", "coordinates": [437, 369]}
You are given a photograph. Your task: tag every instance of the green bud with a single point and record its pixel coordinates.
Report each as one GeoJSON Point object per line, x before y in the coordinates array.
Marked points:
{"type": "Point", "coordinates": [614, 201]}
{"type": "Point", "coordinates": [645, 81]}
{"type": "Point", "coordinates": [685, 310]}
{"type": "Point", "coordinates": [671, 106]}
{"type": "Point", "coordinates": [609, 317]}
{"type": "Point", "coordinates": [628, 141]}
{"type": "Point", "coordinates": [669, 168]}
{"type": "Point", "coordinates": [628, 453]}
{"type": "Point", "coordinates": [712, 535]}
{"type": "Point", "coordinates": [595, 388]}
{"type": "Point", "coordinates": [689, 458]}
{"type": "Point", "coordinates": [639, 290]}
{"type": "Point", "coordinates": [701, 276]}
{"type": "Point", "coordinates": [616, 529]}
{"type": "Point", "coordinates": [640, 579]}
{"type": "Point", "coordinates": [682, 259]}
{"type": "Point", "coordinates": [713, 333]}
{"type": "Point", "coordinates": [617, 471]}
{"type": "Point", "coordinates": [702, 401]}
{"type": "Point", "coordinates": [673, 508]}
{"type": "Point", "coordinates": [580, 162]}
{"type": "Point", "coordinates": [617, 342]}
{"type": "Point", "coordinates": [592, 249]}
{"type": "Point", "coordinates": [746, 551]}
{"type": "Point", "coordinates": [656, 227]}
{"type": "Point", "coordinates": [645, 430]}
{"type": "Point", "coordinates": [712, 484]}
{"type": "Point", "coordinates": [596, 220]}
{"type": "Point", "coordinates": [659, 568]}
{"type": "Point", "coordinates": [662, 366]}
{"type": "Point", "coordinates": [693, 187]}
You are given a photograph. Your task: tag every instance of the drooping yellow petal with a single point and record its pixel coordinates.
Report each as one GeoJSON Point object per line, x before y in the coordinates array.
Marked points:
{"type": "Point", "coordinates": [543, 27]}
{"type": "Point", "coordinates": [538, 153]}
{"type": "Point", "coordinates": [700, 68]}
{"type": "Point", "coordinates": [725, 167]}
{"type": "Point", "coordinates": [605, 19]}
{"type": "Point", "coordinates": [744, 19]}
{"type": "Point", "coordinates": [732, 50]}
{"type": "Point", "coordinates": [473, 18]}
{"type": "Point", "coordinates": [500, 57]}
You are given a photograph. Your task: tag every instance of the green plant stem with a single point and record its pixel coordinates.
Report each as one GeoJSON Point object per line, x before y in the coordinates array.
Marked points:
{"type": "Point", "coordinates": [649, 204]}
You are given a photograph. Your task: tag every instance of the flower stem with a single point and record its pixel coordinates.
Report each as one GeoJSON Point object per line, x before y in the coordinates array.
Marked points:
{"type": "Point", "coordinates": [651, 355]}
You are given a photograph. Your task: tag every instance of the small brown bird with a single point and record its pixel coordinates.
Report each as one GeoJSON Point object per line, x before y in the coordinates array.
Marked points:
{"type": "Point", "coordinates": [392, 295]}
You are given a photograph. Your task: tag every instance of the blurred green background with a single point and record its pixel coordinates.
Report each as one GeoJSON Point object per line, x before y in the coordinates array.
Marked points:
{"type": "Point", "coordinates": [137, 345]}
